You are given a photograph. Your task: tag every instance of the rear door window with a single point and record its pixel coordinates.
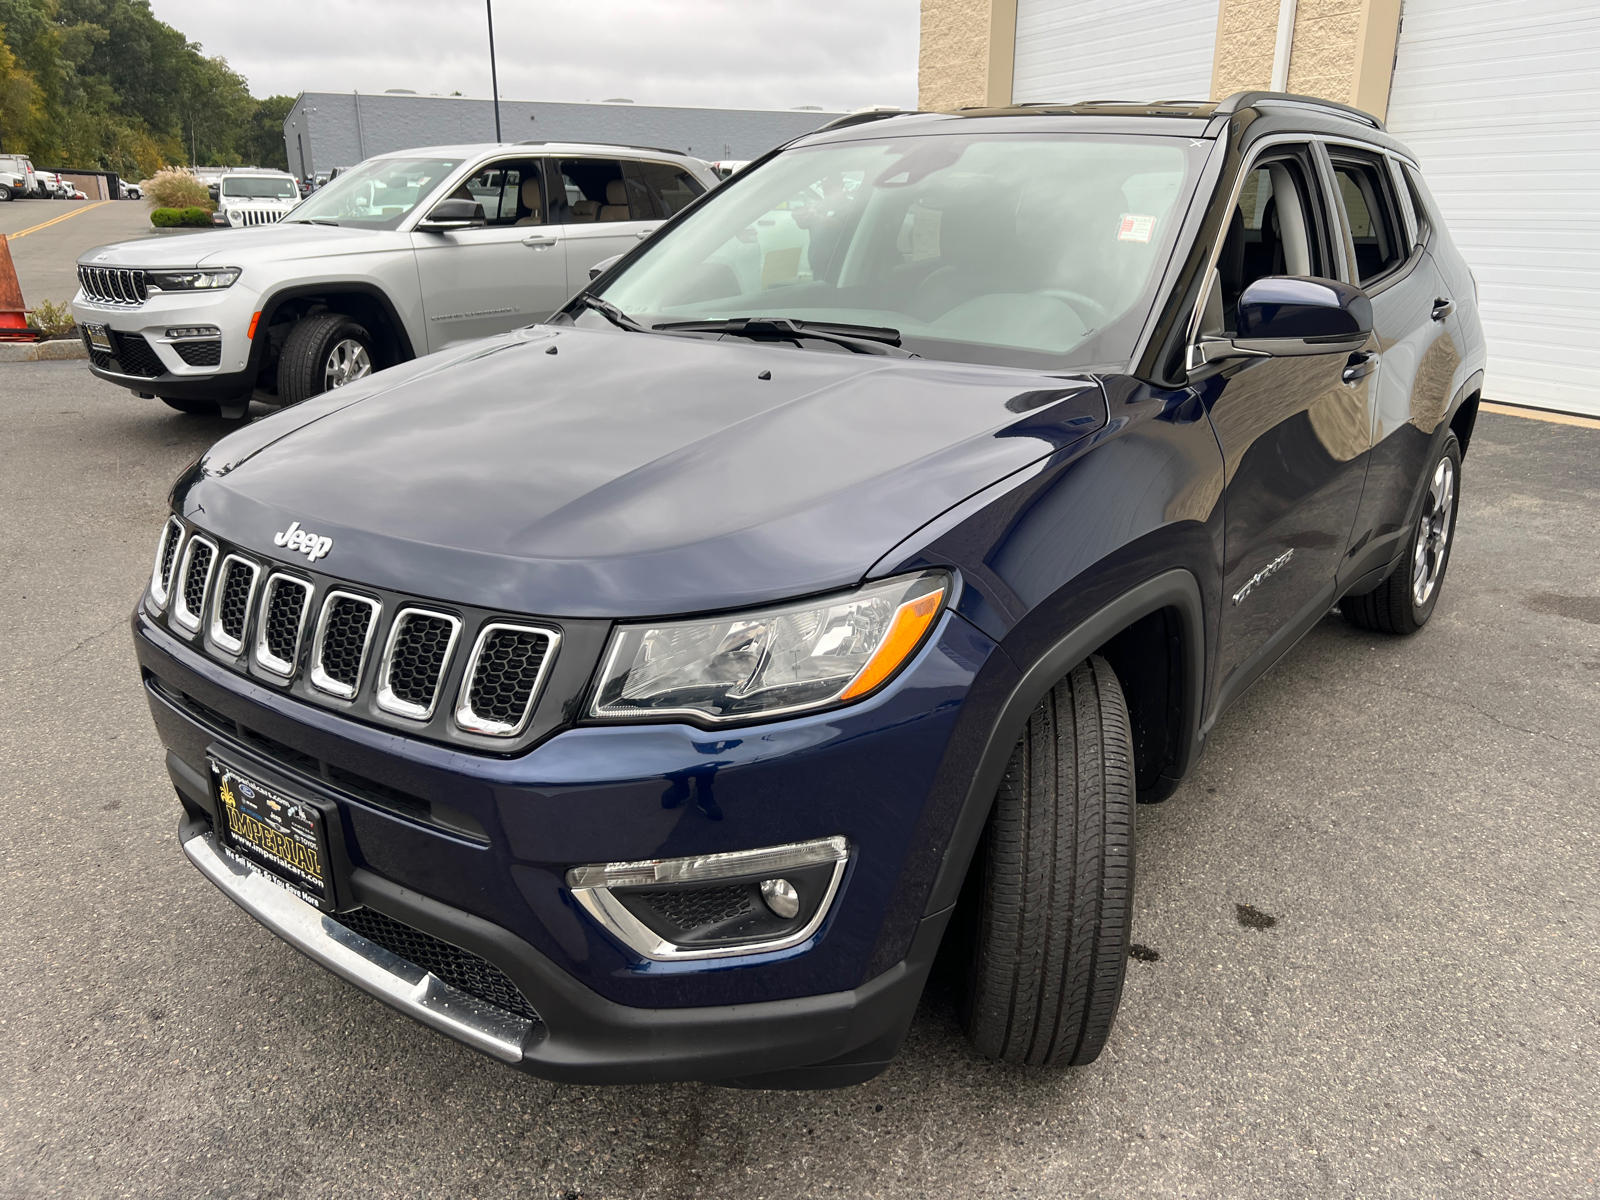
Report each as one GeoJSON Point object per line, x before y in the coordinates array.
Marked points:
{"type": "Point", "coordinates": [672, 187]}
{"type": "Point", "coordinates": [1370, 208]}
{"type": "Point", "coordinates": [594, 190]}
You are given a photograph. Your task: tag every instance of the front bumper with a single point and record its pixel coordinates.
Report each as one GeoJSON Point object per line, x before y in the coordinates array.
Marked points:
{"type": "Point", "coordinates": [153, 364]}
{"type": "Point", "coordinates": [826, 1013]}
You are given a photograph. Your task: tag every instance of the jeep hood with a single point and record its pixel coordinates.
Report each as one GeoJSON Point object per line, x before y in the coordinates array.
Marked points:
{"type": "Point", "coordinates": [580, 473]}
{"type": "Point", "coordinates": [241, 247]}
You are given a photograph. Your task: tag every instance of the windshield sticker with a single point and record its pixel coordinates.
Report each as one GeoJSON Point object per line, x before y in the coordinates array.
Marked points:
{"type": "Point", "coordinates": [1136, 228]}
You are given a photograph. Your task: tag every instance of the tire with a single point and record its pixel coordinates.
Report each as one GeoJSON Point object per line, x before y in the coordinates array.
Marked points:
{"type": "Point", "coordinates": [1052, 904]}
{"type": "Point", "coordinates": [307, 366]}
{"type": "Point", "coordinates": [1404, 601]}
{"type": "Point", "coordinates": [5, 193]}
{"type": "Point", "coordinates": [195, 408]}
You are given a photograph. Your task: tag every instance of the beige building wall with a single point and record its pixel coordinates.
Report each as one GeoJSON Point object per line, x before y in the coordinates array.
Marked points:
{"type": "Point", "coordinates": [1342, 50]}
{"type": "Point", "coordinates": [967, 55]}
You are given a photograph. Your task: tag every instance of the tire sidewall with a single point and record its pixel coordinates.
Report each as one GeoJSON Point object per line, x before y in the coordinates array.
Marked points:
{"type": "Point", "coordinates": [5, 193]}
{"type": "Point", "coordinates": [1420, 613]}
{"type": "Point", "coordinates": [313, 369]}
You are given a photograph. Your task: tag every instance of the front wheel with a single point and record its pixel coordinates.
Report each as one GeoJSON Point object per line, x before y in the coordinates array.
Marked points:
{"type": "Point", "coordinates": [5, 193]}
{"type": "Point", "coordinates": [1053, 890]}
{"type": "Point", "coordinates": [1404, 601]}
{"type": "Point", "coordinates": [321, 353]}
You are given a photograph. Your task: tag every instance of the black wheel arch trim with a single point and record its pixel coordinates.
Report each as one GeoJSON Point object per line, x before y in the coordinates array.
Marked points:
{"type": "Point", "coordinates": [272, 301]}
{"type": "Point", "coordinates": [1176, 589]}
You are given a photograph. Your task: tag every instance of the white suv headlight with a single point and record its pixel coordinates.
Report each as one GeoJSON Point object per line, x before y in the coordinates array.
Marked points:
{"type": "Point", "coordinates": [191, 281]}
{"type": "Point", "coordinates": [771, 661]}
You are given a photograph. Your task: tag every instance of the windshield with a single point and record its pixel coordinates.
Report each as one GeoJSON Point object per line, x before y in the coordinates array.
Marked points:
{"type": "Point", "coordinates": [1023, 250]}
{"type": "Point", "coordinates": [377, 194]}
{"type": "Point", "coordinates": [259, 189]}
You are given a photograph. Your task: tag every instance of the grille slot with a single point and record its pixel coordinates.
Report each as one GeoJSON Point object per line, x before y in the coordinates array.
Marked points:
{"type": "Point", "coordinates": [415, 662]}
{"type": "Point", "coordinates": [344, 633]}
{"type": "Point", "coordinates": [199, 559]}
{"type": "Point", "coordinates": [502, 678]}
{"type": "Point", "coordinates": [282, 620]}
{"type": "Point", "coordinates": [166, 559]}
{"type": "Point", "coordinates": [236, 587]}
{"type": "Point", "coordinates": [461, 969]}
{"type": "Point", "coordinates": [256, 216]}
{"type": "Point", "coordinates": [693, 908]}
{"type": "Point", "coordinates": [113, 285]}
{"type": "Point", "coordinates": [136, 356]}
{"type": "Point", "coordinates": [200, 354]}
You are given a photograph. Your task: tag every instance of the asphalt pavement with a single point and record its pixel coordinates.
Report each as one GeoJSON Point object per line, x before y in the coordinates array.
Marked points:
{"type": "Point", "coordinates": [47, 236]}
{"type": "Point", "coordinates": [1408, 1007]}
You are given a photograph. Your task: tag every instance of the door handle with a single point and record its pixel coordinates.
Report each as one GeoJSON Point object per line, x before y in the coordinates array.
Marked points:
{"type": "Point", "coordinates": [1443, 308]}
{"type": "Point", "coordinates": [538, 242]}
{"type": "Point", "coordinates": [644, 233]}
{"type": "Point", "coordinates": [1359, 366]}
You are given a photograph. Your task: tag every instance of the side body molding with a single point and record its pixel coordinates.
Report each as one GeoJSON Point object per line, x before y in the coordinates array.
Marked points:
{"type": "Point", "coordinates": [1175, 589]}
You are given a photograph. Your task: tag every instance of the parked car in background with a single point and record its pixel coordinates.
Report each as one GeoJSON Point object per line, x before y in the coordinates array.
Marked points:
{"type": "Point", "coordinates": [246, 198]}
{"type": "Point", "coordinates": [401, 256]}
{"type": "Point", "coordinates": [18, 179]}
{"type": "Point", "coordinates": [649, 694]}
{"type": "Point", "coordinates": [729, 166]}
{"type": "Point", "coordinates": [132, 191]}
{"type": "Point", "coordinates": [77, 194]}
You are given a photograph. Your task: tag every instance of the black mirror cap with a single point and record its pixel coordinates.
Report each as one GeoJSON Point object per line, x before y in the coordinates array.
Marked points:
{"type": "Point", "coordinates": [452, 214]}
{"type": "Point", "coordinates": [1303, 307]}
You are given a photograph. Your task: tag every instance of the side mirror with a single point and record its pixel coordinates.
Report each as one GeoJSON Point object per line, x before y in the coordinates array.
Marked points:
{"type": "Point", "coordinates": [452, 214]}
{"type": "Point", "coordinates": [604, 265]}
{"type": "Point", "coordinates": [1286, 316]}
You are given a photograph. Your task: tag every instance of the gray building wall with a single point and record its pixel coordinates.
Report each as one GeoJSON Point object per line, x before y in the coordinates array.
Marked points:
{"type": "Point", "coordinates": [338, 129]}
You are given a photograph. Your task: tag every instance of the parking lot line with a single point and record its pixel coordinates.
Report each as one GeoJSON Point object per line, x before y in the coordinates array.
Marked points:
{"type": "Point", "coordinates": [1535, 414]}
{"type": "Point", "coordinates": [55, 220]}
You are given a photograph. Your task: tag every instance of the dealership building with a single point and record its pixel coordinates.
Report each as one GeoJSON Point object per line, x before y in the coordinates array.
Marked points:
{"type": "Point", "coordinates": [325, 131]}
{"type": "Point", "coordinates": [1497, 100]}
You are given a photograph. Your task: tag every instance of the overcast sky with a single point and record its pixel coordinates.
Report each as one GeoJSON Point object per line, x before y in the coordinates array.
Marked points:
{"type": "Point", "coordinates": [840, 54]}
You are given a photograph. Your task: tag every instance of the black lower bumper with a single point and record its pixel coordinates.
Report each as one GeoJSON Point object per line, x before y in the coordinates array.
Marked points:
{"type": "Point", "coordinates": [830, 1040]}
{"type": "Point", "coordinates": [234, 385]}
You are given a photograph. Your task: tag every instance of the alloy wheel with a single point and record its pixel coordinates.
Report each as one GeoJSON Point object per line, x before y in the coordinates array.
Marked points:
{"type": "Point", "coordinates": [1433, 532]}
{"type": "Point", "coordinates": [346, 362]}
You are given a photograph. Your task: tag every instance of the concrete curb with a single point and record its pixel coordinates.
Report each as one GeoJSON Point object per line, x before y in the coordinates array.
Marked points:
{"type": "Point", "coordinates": [60, 349]}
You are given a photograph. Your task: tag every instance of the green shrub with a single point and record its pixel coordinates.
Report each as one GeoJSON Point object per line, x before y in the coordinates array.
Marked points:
{"type": "Point", "coordinates": [166, 218]}
{"type": "Point", "coordinates": [195, 215]}
{"type": "Point", "coordinates": [174, 187]}
{"type": "Point", "coordinates": [53, 318]}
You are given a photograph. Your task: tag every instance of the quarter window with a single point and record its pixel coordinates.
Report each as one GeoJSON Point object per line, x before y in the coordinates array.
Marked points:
{"type": "Point", "coordinates": [1364, 191]}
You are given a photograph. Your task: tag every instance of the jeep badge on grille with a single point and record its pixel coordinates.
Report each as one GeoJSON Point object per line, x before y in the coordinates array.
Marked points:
{"type": "Point", "coordinates": [303, 541]}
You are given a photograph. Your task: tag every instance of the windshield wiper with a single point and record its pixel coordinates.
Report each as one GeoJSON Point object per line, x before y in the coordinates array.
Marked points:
{"type": "Point", "coordinates": [312, 221]}
{"type": "Point", "coordinates": [860, 339]}
{"type": "Point", "coordinates": [610, 312]}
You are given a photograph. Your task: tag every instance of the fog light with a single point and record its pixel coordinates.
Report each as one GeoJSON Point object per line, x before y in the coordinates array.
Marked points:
{"type": "Point", "coordinates": [780, 896]}
{"type": "Point", "coordinates": [715, 905]}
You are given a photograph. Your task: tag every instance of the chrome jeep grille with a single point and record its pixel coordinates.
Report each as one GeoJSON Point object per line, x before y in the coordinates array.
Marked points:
{"type": "Point", "coordinates": [415, 661]}
{"type": "Point", "coordinates": [255, 216]}
{"type": "Point", "coordinates": [195, 578]}
{"type": "Point", "coordinates": [283, 619]}
{"type": "Point", "coordinates": [236, 587]}
{"type": "Point", "coordinates": [166, 559]}
{"type": "Point", "coordinates": [113, 285]}
{"type": "Point", "coordinates": [503, 678]}
{"type": "Point", "coordinates": [344, 634]}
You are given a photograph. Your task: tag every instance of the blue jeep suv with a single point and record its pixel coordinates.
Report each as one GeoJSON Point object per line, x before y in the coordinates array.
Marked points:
{"type": "Point", "coordinates": [651, 694]}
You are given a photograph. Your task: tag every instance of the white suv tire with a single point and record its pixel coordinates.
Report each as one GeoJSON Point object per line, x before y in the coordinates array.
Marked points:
{"type": "Point", "coordinates": [321, 352]}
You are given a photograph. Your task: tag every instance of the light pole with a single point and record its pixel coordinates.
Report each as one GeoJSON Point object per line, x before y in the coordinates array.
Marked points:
{"type": "Point", "coordinates": [494, 78]}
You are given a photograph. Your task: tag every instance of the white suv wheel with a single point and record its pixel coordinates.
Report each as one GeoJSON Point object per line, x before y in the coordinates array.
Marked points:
{"type": "Point", "coordinates": [347, 361]}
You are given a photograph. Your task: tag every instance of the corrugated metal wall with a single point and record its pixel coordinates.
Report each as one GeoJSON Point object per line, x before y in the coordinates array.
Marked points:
{"type": "Point", "coordinates": [339, 129]}
{"type": "Point", "coordinates": [1499, 103]}
{"type": "Point", "coordinates": [1121, 49]}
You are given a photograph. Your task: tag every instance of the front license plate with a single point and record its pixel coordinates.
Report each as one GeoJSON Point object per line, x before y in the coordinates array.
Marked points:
{"type": "Point", "coordinates": [284, 835]}
{"type": "Point", "coordinates": [99, 336]}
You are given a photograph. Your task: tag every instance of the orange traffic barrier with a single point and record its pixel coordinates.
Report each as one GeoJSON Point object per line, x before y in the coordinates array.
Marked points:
{"type": "Point", "coordinates": [13, 313]}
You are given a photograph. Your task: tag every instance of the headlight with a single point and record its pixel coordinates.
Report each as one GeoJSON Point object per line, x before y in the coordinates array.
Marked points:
{"type": "Point", "coordinates": [772, 661]}
{"type": "Point", "coordinates": [190, 281]}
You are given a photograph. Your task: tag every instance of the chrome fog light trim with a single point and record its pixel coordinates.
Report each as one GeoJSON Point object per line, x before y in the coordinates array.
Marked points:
{"type": "Point", "coordinates": [592, 888]}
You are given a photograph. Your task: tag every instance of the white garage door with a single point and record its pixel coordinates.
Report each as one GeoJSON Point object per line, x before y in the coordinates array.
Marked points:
{"type": "Point", "coordinates": [1117, 50]}
{"type": "Point", "coordinates": [1501, 104]}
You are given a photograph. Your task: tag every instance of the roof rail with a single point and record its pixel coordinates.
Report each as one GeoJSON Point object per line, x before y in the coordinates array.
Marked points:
{"type": "Point", "coordinates": [618, 145]}
{"type": "Point", "coordinates": [861, 118]}
{"type": "Point", "coordinates": [1288, 100]}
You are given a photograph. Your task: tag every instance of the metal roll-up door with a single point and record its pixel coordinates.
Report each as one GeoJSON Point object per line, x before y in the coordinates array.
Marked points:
{"type": "Point", "coordinates": [1499, 103]}
{"type": "Point", "coordinates": [1119, 50]}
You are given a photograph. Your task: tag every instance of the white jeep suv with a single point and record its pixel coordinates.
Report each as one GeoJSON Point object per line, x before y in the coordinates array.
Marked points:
{"type": "Point", "coordinates": [400, 256]}
{"type": "Point", "coordinates": [246, 198]}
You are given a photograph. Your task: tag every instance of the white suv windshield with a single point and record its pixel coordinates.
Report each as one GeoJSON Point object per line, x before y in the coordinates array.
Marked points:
{"type": "Point", "coordinates": [259, 189]}
{"type": "Point", "coordinates": [1030, 250]}
{"type": "Point", "coordinates": [377, 194]}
